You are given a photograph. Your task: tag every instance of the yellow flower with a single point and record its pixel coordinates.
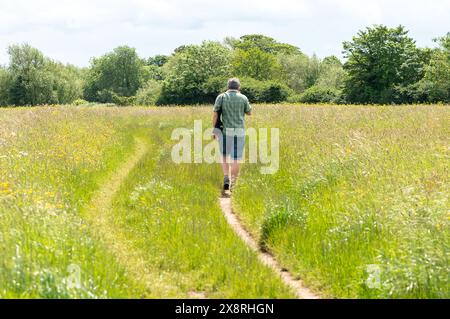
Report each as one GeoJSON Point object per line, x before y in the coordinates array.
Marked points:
{"type": "Point", "coordinates": [5, 188]}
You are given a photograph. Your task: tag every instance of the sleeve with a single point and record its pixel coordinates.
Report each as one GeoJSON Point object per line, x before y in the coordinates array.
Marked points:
{"type": "Point", "coordinates": [248, 107]}
{"type": "Point", "coordinates": [218, 104]}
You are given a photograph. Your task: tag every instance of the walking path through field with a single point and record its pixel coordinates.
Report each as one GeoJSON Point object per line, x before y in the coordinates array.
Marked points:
{"type": "Point", "coordinates": [98, 212]}
{"type": "Point", "coordinates": [266, 258]}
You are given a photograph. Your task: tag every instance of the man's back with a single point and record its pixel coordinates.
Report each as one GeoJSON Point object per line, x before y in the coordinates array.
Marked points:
{"type": "Point", "coordinates": [233, 106]}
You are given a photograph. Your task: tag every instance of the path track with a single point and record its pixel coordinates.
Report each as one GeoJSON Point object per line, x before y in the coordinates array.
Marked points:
{"type": "Point", "coordinates": [297, 285]}
{"type": "Point", "coordinates": [99, 214]}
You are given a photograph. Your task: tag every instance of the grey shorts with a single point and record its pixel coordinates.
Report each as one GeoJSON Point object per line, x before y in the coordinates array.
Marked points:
{"type": "Point", "coordinates": [232, 145]}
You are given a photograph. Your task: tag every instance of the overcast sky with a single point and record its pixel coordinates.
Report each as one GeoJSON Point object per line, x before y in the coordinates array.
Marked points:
{"type": "Point", "coordinates": [74, 31]}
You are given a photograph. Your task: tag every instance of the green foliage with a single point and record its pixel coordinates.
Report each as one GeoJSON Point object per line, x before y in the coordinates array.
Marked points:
{"type": "Point", "coordinates": [115, 75]}
{"type": "Point", "coordinates": [79, 102]}
{"type": "Point", "coordinates": [122, 100]}
{"type": "Point", "coordinates": [154, 67]}
{"type": "Point", "coordinates": [274, 92]}
{"type": "Point", "coordinates": [5, 85]}
{"type": "Point", "coordinates": [383, 66]}
{"type": "Point", "coordinates": [158, 60]}
{"type": "Point", "coordinates": [435, 86]}
{"type": "Point", "coordinates": [67, 82]}
{"type": "Point", "coordinates": [263, 43]}
{"type": "Point", "coordinates": [381, 62]}
{"type": "Point", "coordinates": [189, 70]}
{"type": "Point", "coordinates": [36, 79]}
{"type": "Point", "coordinates": [256, 63]}
{"type": "Point", "coordinates": [214, 86]}
{"type": "Point", "coordinates": [321, 94]}
{"type": "Point", "coordinates": [331, 74]}
{"type": "Point", "coordinates": [149, 94]}
{"type": "Point", "coordinates": [299, 71]}
{"type": "Point", "coordinates": [31, 83]}
{"type": "Point", "coordinates": [255, 56]}
{"type": "Point", "coordinates": [264, 91]}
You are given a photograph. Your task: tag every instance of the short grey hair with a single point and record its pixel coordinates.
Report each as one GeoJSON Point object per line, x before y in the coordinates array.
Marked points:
{"type": "Point", "coordinates": [234, 84]}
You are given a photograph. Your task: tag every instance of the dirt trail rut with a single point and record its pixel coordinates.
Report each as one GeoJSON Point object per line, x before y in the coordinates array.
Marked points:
{"type": "Point", "coordinates": [297, 285]}
{"type": "Point", "coordinates": [99, 214]}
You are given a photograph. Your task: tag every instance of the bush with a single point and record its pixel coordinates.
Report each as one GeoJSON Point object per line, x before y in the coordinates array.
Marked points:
{"type": "Point", "coordinates": [103, 96]}
{"type": "Point", "coordinates": [5, 85]}
{"type": "Point", "coordinates": [264, 91]}
{"type": "Point", "coordinates": [189, 70]}
{"type": "Point", "coordinates": [295, 98]}
{"type": "Point", "coordinates": [318, 94]}
{"type": "Point", "coordinates": [213, 87]}
{"type": "Point", "coordinates": [274, 92]}
{"type": "Point", "coordinates": [149, 94]}
{"type": "Point", "coordinates": [256, 91]}
{"type": "Point", "coordinates": [123, 100]}
{"type": "Point", "coordinates": [78, 102]}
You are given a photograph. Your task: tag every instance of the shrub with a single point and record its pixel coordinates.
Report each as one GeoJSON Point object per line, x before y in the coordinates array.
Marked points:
{"type": "Point", "coordinates": [149, 94]}
{"type": "Point", "coordinates": [103, 96]}
{"type": "Point", "coordinates": [274, 92]}
{"type": "Point", "coordinates": [188, 71]}
{"type": "Point", "coordinates": [78, 102]}
{"type": "Point", "coordinates": [123, 100]}
{"type": "Point", "coordinates": [5, 85]}
{"type": "Point", "coordinates": [318, 94]}
{"type": "Point", "coordinates": [264, 91]}
{"type": "Point", "coordinates": [251, 88]}
{"type": "Point", "coordinates": [213, 87]}
{"type": "Point", "coordinates": [295, 98]}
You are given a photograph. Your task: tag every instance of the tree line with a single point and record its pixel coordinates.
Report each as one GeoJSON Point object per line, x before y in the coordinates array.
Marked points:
{"type": "Point", "coordinates": [382, 66]}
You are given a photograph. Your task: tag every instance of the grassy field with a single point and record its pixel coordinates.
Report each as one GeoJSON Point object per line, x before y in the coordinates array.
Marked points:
{"type": "Point", "coordinates": [361, 194]}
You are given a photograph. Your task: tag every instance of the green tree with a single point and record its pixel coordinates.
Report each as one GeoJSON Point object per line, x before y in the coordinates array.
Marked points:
{"type": "Point", "coordinates": [331, 74]}
{"type": "Point", "coordinates": [35, 79]}
{"type": "Point", "coordinates": [31, 81]}
{"type": "Point", "coordinates": [189, 69]}
{"type": "Point", "coordinates": [256, 63]}
{"type": "Point", "coordinates": [67, 82]}
{"type": "Point", "coordinates": [381, 62]}
{"type": "Point", "coordinates": [158, 60]}
{"type": "Point", "coordinates": [154, 67]}
{"type": "Point", "coordinates": [299, 71]}
{"type": "Point", "coordinates": [149, 94]}
{"type": "Point", "coordinates": [5, 86]}
{"type": "Point", "coordinates": [263, 43]}
{"type": "Point", "coordinates": [435, 85]}
{"type": "Point", "coordinates": [119, 73]}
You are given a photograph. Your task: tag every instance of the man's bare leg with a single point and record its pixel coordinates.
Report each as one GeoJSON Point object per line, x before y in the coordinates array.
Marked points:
{"type": "Point", "coordinates": [225, 166]}
{"type": "Point", "coordinates": [234, 171]}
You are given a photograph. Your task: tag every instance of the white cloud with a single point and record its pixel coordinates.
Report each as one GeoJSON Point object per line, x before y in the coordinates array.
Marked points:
{"type": "Point", "coordinates": [74, 31]}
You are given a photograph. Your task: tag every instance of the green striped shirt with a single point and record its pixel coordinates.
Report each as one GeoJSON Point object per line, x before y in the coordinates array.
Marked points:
{"type": "Point", "coordinates": [233, 106]}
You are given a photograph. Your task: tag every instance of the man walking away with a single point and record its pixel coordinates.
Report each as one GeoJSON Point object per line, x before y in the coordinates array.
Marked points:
{"type": "Point", "coordinates": [230, 108]}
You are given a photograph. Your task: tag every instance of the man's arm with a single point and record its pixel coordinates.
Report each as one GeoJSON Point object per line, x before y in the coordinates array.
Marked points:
{"type": "Point", "coordinates": [248, 108]}
{"type": "Point", "coordinates": [215, 118]}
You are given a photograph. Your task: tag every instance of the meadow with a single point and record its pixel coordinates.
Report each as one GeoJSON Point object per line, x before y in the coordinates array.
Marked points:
{"type": "Point", "coordinates": [358, 209]}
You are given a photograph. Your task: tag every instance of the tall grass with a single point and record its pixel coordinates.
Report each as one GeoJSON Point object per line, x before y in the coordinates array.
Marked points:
{"type": "Point", "coordinates": [172, 212]}
{"type": "Point", "coordinates": [51, 161]}
{"type": "Point", "coordinates": [54, 159]}
{"type": "Point", "coordinates": [359, 207]}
